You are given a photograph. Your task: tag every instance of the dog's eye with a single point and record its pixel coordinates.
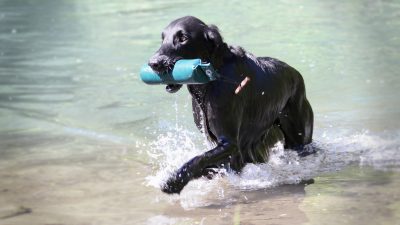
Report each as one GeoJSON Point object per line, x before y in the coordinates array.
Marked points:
{"type": "Point", "coordinates": [182, 38]}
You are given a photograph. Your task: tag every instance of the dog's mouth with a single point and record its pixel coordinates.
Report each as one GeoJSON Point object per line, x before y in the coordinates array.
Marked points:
{"type": "Point", "coordinates": [171, 64]}
{"type": "Point", "coordinates": [164, 65]}
{"type": "Point", "coordinates": [173, 88]}
{"type": "Point", "coordinates": [168, 67]}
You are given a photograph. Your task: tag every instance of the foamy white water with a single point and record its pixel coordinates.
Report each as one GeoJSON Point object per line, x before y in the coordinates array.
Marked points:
{"type": "Point", "coordinates": [176, 146]}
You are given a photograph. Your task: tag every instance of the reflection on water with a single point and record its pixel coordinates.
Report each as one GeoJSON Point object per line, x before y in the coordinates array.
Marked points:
{"type": "Point", "coordinates": [83, 141]}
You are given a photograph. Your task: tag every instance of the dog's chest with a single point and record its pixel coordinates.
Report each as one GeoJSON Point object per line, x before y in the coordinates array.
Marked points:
{"type": "Point", "coordinates": [213, 109]}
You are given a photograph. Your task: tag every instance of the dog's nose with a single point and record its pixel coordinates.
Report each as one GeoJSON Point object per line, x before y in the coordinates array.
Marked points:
{"type": "Point", "coordinates": [157, 64]}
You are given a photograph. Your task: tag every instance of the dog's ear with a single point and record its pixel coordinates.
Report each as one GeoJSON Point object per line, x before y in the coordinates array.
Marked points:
{"type": "Point", "coordinates": [213, 36]}
{"type": "Point", "coordinates": [215, 45]}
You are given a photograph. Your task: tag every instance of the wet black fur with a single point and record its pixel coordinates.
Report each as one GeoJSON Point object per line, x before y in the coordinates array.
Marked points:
{"type": "Point", "coordinates": [271, 107]}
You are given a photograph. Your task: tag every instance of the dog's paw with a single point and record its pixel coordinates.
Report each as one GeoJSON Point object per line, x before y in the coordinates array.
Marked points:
{"type": "Point", "coordinates": [172, 186]}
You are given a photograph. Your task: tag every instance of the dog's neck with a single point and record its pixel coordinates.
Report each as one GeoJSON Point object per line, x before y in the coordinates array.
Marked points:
{"type": "Point", "coordinates": [235, 57]}
{"type": "Point", "coordinates": [228, 56]}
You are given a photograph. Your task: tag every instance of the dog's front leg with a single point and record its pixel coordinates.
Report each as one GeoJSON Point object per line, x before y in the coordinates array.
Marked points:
{"type": "Point", "coordinates": [196, 166]}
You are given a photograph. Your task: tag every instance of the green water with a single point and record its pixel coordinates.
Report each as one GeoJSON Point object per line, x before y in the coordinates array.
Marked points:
{"type": "Point", "coordinates": [84, 141]}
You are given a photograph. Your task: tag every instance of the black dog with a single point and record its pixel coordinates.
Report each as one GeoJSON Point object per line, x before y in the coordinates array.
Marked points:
{"type": "Point", "coordinates": [257, 102]}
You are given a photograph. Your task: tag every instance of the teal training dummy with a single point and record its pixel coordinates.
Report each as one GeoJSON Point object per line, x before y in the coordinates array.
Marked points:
{"type": "Point", "coordinates": [186, 71]}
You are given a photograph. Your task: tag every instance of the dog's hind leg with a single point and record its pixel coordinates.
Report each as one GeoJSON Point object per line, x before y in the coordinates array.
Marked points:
{"type": "Point", "coordinates": [197, 166]}
{"type": "Point", "coordinates": [296, 119]}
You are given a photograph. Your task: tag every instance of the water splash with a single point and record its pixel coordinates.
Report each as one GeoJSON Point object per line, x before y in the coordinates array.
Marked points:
{"type": "Point", "coordinates": [169, 151]}
{"type": "Point", "coordinates": [177, 145]}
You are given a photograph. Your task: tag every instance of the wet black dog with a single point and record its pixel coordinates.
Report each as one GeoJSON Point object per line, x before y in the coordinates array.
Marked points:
{"type": "Point", "coordinates": [257, 102]}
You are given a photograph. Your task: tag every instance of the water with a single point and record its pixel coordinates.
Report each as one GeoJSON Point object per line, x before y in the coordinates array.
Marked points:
{"type": "Point", "coordinates": [84, 141]}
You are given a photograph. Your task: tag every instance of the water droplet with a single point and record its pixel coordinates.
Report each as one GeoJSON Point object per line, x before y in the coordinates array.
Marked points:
{"type": "Point", "coordinates": [14, 31]}
{"type": "Point", "coordinates": [262, 93]}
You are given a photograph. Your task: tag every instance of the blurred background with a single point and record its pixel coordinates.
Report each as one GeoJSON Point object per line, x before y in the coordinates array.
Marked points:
{"type": "Point", "coordinates": [84, 141]}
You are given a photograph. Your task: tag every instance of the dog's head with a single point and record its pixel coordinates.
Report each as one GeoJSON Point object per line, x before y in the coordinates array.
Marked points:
{"type": "Point", "coordinates": [187, 38]}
